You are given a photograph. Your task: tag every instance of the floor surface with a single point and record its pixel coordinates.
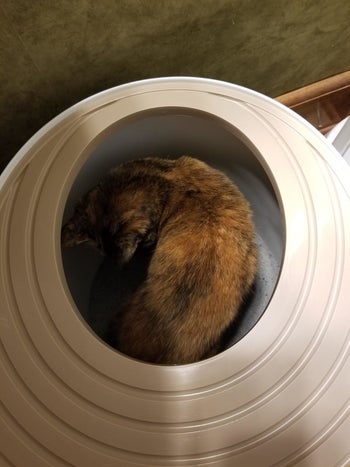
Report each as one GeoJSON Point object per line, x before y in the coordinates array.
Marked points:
{"type": "Point", "coordinates": [53, 54]}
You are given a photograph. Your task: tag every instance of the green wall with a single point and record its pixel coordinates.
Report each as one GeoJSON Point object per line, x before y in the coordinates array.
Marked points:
{"type": "Point", "coordinates": [54, 53]}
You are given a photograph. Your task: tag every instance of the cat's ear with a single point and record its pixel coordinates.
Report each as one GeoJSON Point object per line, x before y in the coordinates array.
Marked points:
{"type": "Point", "coordinates": [122, 239]}
{"type": "Point", "coordinates": [120, 247]}
{"type": "Point", "coordinates": [128, 246]}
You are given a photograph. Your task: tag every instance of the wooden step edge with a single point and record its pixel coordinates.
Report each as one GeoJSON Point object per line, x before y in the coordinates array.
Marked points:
{"type": "Point", "coordinates": [334, 84]}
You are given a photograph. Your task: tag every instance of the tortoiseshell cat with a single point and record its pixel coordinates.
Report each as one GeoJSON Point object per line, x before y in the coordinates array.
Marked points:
{"type": "Point", "coordinates": [204, 257]}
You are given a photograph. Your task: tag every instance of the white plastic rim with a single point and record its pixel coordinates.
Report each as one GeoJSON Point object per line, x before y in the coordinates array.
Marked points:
{"type": "Point", "coordinates": [280, 396]}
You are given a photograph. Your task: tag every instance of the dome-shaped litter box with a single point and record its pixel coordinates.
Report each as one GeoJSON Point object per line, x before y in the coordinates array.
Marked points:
{"type": "Point", "coordinates": [278, 394]}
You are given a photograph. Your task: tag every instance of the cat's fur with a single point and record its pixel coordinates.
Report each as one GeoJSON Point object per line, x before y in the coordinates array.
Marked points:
{"type": "Point", "coordinates": [204, 258]}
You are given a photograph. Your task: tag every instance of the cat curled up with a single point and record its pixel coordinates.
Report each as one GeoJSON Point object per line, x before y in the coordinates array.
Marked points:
{"type": "Point", "coordinates": [199, 228]}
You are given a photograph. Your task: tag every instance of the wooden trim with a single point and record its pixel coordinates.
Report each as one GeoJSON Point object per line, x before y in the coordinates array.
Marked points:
{"type": "Point", "coordinates": [316, 90]}
{"type": "Point", "coordinates": [324, 103]}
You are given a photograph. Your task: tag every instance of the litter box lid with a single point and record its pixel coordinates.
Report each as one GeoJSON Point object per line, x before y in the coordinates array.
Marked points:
{"type": "Point", "coordinates": [280, 396]}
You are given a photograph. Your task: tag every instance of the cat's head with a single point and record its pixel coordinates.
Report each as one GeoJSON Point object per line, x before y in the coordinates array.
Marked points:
{"type": "Point", "coordinates": [115, 224]}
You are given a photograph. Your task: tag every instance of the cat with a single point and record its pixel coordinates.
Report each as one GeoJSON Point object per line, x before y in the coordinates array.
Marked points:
{"type": "Point", "coordinates": [203, 262]}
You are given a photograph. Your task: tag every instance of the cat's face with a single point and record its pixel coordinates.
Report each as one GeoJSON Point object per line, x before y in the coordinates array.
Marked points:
{"type": "Point", "coordinates": [114, 225]}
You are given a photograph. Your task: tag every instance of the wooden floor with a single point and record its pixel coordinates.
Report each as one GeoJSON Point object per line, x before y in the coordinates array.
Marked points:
{"type": "Point", "coordinates": [324, 103]}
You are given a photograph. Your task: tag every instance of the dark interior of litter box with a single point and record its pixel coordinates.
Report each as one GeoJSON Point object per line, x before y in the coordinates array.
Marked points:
{"type": "Point", "coordinates": [94, 283]}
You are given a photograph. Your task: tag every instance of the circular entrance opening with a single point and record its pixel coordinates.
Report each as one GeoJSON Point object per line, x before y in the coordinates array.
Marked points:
{"type": "Point", "coordinates": [95, 284]}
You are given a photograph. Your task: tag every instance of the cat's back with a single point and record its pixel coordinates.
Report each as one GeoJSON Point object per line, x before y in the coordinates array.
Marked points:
{"type": "Point", "coordinates": [207, 233]}
{"type": "Point", "coordinates": [206, 202]}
